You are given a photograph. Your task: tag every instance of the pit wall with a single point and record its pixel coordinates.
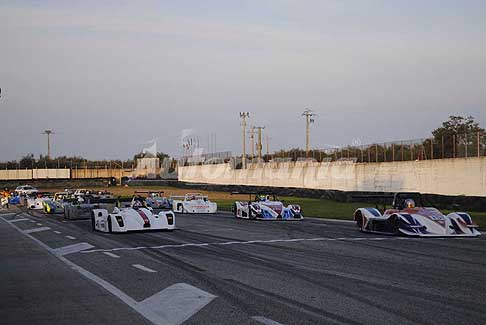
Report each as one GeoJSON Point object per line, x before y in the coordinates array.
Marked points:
{"type": "Point", "coordinates": [459, 176]}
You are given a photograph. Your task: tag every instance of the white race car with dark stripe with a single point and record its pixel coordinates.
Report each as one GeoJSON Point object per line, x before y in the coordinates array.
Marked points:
{"type": "Point", "coordinates": [136, 217]}
{"type": "Point", "coordinates": [409, 217]}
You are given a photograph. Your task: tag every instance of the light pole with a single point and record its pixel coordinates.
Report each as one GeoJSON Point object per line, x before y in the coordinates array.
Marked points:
{"type": "Point", "coordinates": [259, 143]}
{"type": "Point", "coordinates": [243, 117]}
{"type": "Point", "coordinates": [308, 120]}
{"type": "Point", "coordinates": [48, 133]}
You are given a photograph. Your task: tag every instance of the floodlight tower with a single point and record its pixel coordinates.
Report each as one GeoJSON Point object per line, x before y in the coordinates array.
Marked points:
{"type": "Point", "coordinates": [309, 118]}
{"type": "Point", "coordinates": [243, 117]}
{"type": "Point", "coordinates": [48, 133]}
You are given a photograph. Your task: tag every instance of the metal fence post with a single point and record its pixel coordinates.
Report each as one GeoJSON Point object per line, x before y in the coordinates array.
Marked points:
{"type": "Point", "coordinates": [479, 154]}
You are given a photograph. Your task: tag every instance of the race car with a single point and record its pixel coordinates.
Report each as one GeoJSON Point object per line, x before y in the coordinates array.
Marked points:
{"type": "Point", "coordinates": [409, 216]}
{"type": "Point", "coordinates": [82, 207]}
{"type": "Point", "coordinates": [51, 206]}
{"type": "Point", "coordinates": [193, 203]}
{"type": "Point", "coordinates": [36, 201]}
{"type": "Point", "coordinates": [155, 200]}
{"type": "Point", "coordinates": [136, 217]}
{"type": "Point", "coordinates": [266, 207]}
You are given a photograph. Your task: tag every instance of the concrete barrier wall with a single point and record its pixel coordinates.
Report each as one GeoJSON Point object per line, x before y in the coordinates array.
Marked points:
{"type": "Point", "coordinates": [460, 176]}
{"type": "Point", "coordinates": [63, 173]}
{"type": "Point", "coordinates": [12, 174]}
{"type": "Point", "coordinates": [51, 173]}
{"type": "Point", "coordinates": [100, 173]}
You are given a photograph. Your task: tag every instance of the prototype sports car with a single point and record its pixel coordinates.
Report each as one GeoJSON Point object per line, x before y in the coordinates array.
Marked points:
{"type": "Point", "coordinates": [36, 201]}
{"type": "Point", "coordinates": [155, 200]}
{"type": "Point", "coordinates": [51, 206]}
{"type": "Point", "coordinates": [136, 217]}
{"type": "Point", "coordinates": [408, 216]}
{"type": "Point", "coordinates": [193, 203]}
{"type": "Point", "coordinates": [266, 207]}
{"type": "Point", "coordinates": [82, 207]}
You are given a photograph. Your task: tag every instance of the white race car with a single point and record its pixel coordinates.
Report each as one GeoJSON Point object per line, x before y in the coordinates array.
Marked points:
{"type": "Point", "coordinates": [136, 217]}
{"type": "Point", "coordinates": [26, 190]}
{"type": "Point", "coordinates": [266, 207]}
{"type": "Point", "coordinates": [36, 202]}
{"type": "Point", "coordinates": [193, 203]}
{"type": "Point", "coordinates": [408, 216]}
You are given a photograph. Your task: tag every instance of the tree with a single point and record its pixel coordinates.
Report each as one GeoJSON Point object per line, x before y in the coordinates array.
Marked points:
{"type": "Point", "coordinates": [455, 132]}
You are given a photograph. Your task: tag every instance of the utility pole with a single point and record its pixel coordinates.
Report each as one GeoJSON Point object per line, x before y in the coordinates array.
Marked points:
{"type": "Point", "coordinates": [259, 143]}
{"type": "Point", "coordinates": [48, 133]}
{"type": "Point", "coordinates": [266, 140]}
{"type": "Point", "coordinates": [309, 118]}
{"type": "Point", "coordinates": [243, 117]}
{"type": "Point", "coordinates": [252, 140]}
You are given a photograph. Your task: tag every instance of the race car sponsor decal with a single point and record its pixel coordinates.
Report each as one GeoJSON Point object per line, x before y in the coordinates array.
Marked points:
{"type": "Point", "coordinates": [146, 221]}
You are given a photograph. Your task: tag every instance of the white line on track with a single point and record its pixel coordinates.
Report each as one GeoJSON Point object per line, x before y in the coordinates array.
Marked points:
{"type": "Point", "coordinates": [237, 243]}
{"type": "Point", "coordinates": [16, 220]}
{"type": "Point", "coordinates": [265, 321]}
{"type": "Point", "coordinates": [185, 299]}
{"type": "Point", "coordinates": [70, 249]}
{"type": "Point", "coordinates": [32, 221]}
{"type": "Point", "coordinates": [30, 231]}
{"type": "Point", "coordinates": [111, 255]}
{"type": "Point", "coordinates": [39, 224]}
{"type": "Point", "coordinates": [57, 232]}
{"type": "Point", "coordinates": [71, 237]}
{"type": "Point", "coordinates": [143, 268]}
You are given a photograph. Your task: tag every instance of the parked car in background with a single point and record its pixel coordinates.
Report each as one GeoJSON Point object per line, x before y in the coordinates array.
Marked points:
{"type": "Point", "coordinates": [25, 190]}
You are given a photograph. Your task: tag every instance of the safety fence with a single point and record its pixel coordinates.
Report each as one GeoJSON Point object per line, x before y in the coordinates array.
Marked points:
{"type": "Point", "coordinates": [446, 147]}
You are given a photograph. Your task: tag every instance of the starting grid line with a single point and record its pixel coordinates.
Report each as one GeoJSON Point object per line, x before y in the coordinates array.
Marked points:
{"type": "Point", "coordinates": [239, 243]}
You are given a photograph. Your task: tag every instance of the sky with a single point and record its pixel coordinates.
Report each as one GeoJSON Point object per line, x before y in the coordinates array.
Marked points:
{"type": "Point", "coordinates": [108, 76]}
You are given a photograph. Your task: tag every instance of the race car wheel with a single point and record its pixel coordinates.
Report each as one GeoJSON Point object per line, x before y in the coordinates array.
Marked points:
{"type": "Point", "coordinates": [235, 210]}
{"type": "Point", "coordinates": [109, 224]}
{"type": "Point", "coordinates": [359, 220]}
{"type": "Point", "coordinates": [92, 222]}
{"type": "Point", "coordinates": [180, 208]}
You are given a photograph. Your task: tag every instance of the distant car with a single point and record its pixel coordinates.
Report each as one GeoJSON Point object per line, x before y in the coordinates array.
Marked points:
{"type": "Point", "coordinates": [409, 216]}
{"type": "Point", "coordinates": [266, 207]}
{"type": "Point", "coordinates": [155, 200]}
{"type": "Point", "coordinates": [81, 192]}
{"type": "Point", "coordinates": [193, 203]}
{"type": "Point", "coordinates": [136, 217]}
{"type": "Point", "coordinates": [25, 190]}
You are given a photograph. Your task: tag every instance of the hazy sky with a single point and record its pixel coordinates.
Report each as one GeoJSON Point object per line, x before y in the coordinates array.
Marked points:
{"type": "Point", "coordinates": [109, 75]}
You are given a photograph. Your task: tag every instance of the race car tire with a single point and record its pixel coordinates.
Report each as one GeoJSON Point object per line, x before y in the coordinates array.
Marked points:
{"type": "Point", "coordinates": [250, 214]}
{"type": "Point", "coordinates": [92, 221]}
{"type": "Point", "coordinates": [180, 207]}
{"type": "Point", "coordinates": [359, 220]}
{"type": "Point", "coordinates": [235, 210]}
{"type": "Point", "coordinates": [109, 224]}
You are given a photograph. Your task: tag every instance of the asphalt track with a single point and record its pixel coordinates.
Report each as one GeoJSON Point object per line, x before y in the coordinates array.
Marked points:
{"type": "Point", "coordinates": [215, 269]}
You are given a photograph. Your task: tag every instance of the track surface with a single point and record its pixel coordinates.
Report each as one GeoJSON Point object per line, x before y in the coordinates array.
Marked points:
{"type": "Point", "coordinates": [308, 272]}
